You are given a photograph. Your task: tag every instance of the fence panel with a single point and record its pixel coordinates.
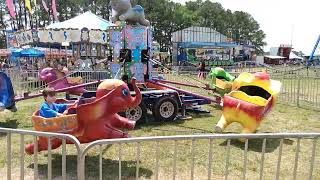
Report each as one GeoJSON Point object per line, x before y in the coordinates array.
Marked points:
{"type": "Point", "coordinates": [90, 76]}
{"type": "Point", "coordinates": [220, 156]}
{"type": "Point", "coordinates": [62, 163]}
{"type": "Point", "coordinates": [297, 88]}
{"type": "Point", "coordinates": [28, 81]}
{"type": "Point", "coordinates": [25, 81]}
{"type": "Point", "coordinates": [301, 91]}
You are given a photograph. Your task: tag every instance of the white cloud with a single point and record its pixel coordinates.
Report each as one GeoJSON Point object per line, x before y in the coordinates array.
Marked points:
{"type": "Point", "coordinates": [279, 18]}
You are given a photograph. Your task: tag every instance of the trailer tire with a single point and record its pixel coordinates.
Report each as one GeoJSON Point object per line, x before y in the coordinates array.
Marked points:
{"type": "Point", "coordinates": [165, 109]}
{"type": "Point", "coordinates": [137, 114]}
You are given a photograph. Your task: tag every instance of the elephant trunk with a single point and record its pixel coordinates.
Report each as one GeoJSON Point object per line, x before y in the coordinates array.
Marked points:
{"type": "Point", "coordinates": [41, 77]}
{"type": "Point", "coordinates": [135, 101]}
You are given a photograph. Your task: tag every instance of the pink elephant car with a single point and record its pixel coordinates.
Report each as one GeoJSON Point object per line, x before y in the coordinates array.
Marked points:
{"type": "Point", "coordinates": [58, 80]}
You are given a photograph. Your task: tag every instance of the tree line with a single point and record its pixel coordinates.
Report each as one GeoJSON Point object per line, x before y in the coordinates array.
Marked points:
{"type": "Point", "coordinates": [165, 16]}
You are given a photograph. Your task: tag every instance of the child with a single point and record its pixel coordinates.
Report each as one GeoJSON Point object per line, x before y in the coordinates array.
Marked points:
{"type": "Point", "coordinates": [202, 69]}
{"type": "Point", "coordinates": [49, 109]}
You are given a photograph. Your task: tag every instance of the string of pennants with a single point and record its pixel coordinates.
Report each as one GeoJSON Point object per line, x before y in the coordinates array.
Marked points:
{"type": "Point", "coordinates": [30, 6]}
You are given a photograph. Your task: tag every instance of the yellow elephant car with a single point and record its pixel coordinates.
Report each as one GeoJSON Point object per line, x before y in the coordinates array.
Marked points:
{"type": "Point", "coordinates": [251, 98]}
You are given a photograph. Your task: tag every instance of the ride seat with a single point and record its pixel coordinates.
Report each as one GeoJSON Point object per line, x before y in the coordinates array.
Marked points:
{"type": "Point", "coordinates": [74, 80]}
{"type": "Point", "coordinates": [64, 124]}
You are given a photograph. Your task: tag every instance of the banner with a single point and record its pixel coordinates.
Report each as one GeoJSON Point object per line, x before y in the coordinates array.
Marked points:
{"type": "Point", "coordinates": [28, 5]}
{"type": "Point", "coordinates": [10, 6]}
{"type": "Point", "coordinates": [115, 42]}
{"type": "Point", "coordinates": [54, 10]}
{"type": "Point", "coordinates": [97, 36]}
{"type": "Point", "coordinates": [59, 36]}
{"type": "Point", "coordinates": [138, 69]}
{"type": "Point", "coordinates": [115, 70]}
{"type": "Point", "coordinates": [11, 40]}
{"type": "Point", "coordinates": [136, 38]}
{"type": "Point", "coordinates": [44, 4]}
{"type": "Point", "coordinates": [24, 38]}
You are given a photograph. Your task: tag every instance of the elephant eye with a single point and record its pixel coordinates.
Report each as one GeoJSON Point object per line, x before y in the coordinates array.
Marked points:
{"type": "Point", "coordinates": [125, 92]}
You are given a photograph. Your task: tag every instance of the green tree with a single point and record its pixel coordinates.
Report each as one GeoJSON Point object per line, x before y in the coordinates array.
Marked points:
{"type": "Point", "coordinates": [3, 24]}
{"type": "Point", "coordinates": [246, 28]}
{"type": "Point", "coordinates": [165, 16]}
{"type": "Point", "coordinates": [238, 25]}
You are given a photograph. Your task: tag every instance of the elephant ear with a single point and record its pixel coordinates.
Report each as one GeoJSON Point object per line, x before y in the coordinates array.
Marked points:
{"type": "Point", "coordinates": [94, 111]}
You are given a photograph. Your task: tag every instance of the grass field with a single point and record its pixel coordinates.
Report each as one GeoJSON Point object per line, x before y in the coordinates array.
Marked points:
{"type": "Point", "coordinates": [283, 119]}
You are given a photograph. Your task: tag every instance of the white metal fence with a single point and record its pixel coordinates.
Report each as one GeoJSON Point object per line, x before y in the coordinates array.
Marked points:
{"type": "Point", "coordinates": [25, 81]}
{"type": "Point", "coordinates": [301, 91]}
{"type": "Point", "coordinates": [158, 152]}
{"type": "Point", "coordinates": [28, 81]}
{"type": "Point", "coordinates": [297, 87]}
{"type": "Point", "coordinates": [295, 71]}
{"type": "Point", "coordinates": [216, 156]}
{"type": "Point", "coordinates": [300, 85]}
{"type": "Point", "coordinates": [40, 165]}
{"type": "Point", "coordinates": [90, 76]}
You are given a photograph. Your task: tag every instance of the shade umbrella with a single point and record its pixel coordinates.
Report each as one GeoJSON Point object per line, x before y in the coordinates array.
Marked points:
{"type": "Point", "coordinates": [31, 52]}
{"type": "Point", "coordinates": [16, 52]}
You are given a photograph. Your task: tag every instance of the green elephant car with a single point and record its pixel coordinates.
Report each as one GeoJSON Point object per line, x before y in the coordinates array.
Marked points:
{"type": "Point", "coordinates": [221, 80]}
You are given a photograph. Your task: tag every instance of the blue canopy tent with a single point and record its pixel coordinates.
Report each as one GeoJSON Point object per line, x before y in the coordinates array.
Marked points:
{"type": "Point", "coordinates": [15, 52]}
{"type": "Point", "coordinates": [30, 54]}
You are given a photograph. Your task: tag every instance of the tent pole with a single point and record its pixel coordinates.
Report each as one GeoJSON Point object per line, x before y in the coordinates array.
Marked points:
{"type": "Point", "coordinates": [50, 51]}
{"type": "Point", "coordinates": [67, 57]}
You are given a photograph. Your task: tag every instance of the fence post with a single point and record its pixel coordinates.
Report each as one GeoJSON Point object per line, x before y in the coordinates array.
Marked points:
{"type": "Point", "coordinates": [81, 166]}
{"type": "Point", "coordinates": [298, 92]}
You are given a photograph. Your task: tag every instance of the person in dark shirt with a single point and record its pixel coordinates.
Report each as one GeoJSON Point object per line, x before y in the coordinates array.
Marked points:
{"type": "Point", "coordinates": [202, 69]}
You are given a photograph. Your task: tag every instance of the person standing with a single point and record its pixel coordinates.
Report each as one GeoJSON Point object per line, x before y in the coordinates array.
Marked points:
{"type": "Point", "coordinates": [202, 70]}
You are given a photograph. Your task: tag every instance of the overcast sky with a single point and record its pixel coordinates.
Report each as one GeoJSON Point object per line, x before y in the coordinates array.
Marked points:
{"type": "Point", "coordinates": [279, 18]}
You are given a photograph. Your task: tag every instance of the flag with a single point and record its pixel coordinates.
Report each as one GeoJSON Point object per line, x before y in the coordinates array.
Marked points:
{"type": "Point", "coordinates": [44, 4]}
{"type": "Point", "coordinates": [28, 5]}
{"type": "Point", "coordinates": [10, 6]}
{"type": "Point", "coordinates": [54, 10]}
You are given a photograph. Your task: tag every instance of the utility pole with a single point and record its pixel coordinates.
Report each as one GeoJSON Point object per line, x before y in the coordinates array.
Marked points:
{"type": "Point", "coordinates": [292, 30]}
{"type": "Point", "coordinates": [25, 16]}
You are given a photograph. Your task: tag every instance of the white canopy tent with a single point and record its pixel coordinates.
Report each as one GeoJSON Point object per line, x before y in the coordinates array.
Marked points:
{"type": "Point", "coordinates": [275, 57]}
{"type": "Point", "coordinates": [294, 56]}
{"type": "Point", "coordinates": [86, 20]}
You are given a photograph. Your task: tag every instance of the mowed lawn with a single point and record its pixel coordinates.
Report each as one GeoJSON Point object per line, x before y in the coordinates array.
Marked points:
{"type": "Point", "coordinates": [282, 119]}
